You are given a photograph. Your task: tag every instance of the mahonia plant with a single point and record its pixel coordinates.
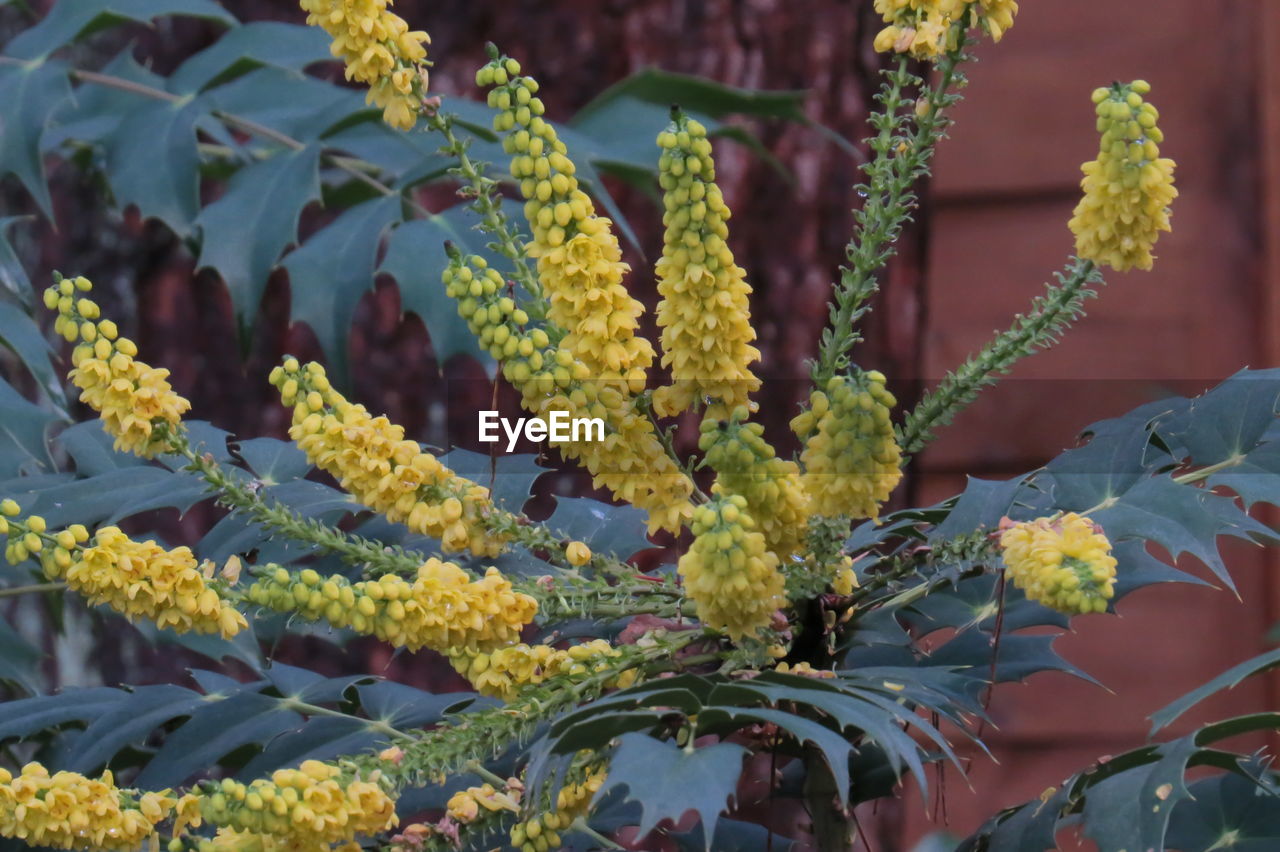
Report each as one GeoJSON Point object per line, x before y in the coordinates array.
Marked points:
{"type": "Point", "coordinates": [786, 558]}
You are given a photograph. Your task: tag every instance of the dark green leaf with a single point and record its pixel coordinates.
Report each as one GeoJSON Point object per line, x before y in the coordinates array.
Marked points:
{"type": "Point", "coordinates": [130, 722]}
{"type": "Point", "coordinates": [1131, 810]}
{"type": "Point", "coordinates": [509, 478]}
{"type": "Point", "coordinates": [19, 332]}
{"type": "Point", "coordinates": [1229, 679]}
{"type": "Point", "coordinates": [23, 427]}
{"type": "Point", "coordinates": [152, 162]}
{"type": "Point", "coordinates": [244, 232]}
{"type": "Point", "coordinates": [1226, 812]}
{"type": "Point", "coordinates": [293, 104]}
{"type": "Point", "coordinates": [19, 661]}
{"type": "Point", "coordinates": [291, 47]}
{"type": "Point", "coordinates": [416, 259]}
{"type": "Point", "coordinates": [13, 277]}
{"type": "Point", "coordinates": [29, 96]}
{"type": "Point", "coordinates": [619, 531]}
{"type": "Point", "coordinates": [668, 781]}
{"type": "Point", "coordinates": [72, 19]}
{"type": "Point", "coordinates": [330, 272]}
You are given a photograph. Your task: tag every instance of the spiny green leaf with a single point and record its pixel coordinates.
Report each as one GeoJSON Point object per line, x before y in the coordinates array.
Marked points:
{"type": "Point", "coordinates": [291, 47]}
{"type": "Point", "coordinates": [509, 478]}
{"type": "Point", "coordinates": [152, 162]}
{"type": "Point", "coordinates": [19, 661]}
{"type": "Point", "coordinates": [13, 277]}
{"type": "Point", "coordinates": [1131, 810]}
{"type": "Point", "coordinates": [333, 269]}
{"type": "Point", "coordinates": [619, 531]}
{"type": "Point", "coordinates": [29, 96]}
{"type": "Point", "coordinates": [23, 430]}
{"type": "Point", "coordinates": [244, 231]}
{"type": "Point", "coordinates": [707, 779]}
{"type": "Point", "coordinates": [73, 19]}
{"type": "Point", "coordinates": [416, 260]}
{"type": "Point", "coordinates": [1229, 679]}
{"type": "Point", "coordinates": [1227, 421]}
{"type": "Point", "coordinates": [291, 103]}
{"type": "Point", "coordinates": [19, 331]}
{"type": "Point", "coordinates": [1226, 813]}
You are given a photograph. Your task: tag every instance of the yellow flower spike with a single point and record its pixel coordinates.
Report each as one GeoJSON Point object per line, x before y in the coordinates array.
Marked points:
{"type": "Point", "coordinates": [312, 807]}
{"type": "Point", "coordinates": [67, 810]}
{"type": "Point", "coordinates": [579, 260]}
{"type": "Point", "coordinates": [132, 397]}
{"type": "Point", "coordinates": [851, 457]}
{"type": "Point", "coordinates": [136, 579]}
{"type": "Point", "coordinates": [380, 51]}
{"type": "Point", "coordinates": [572, 801]}
{"type": "Point", "coordinates": [631, 461]}
{"type": "Point", "coordinates": [1064, 563]}
{"type": "Point", "coordinates": [1129, 187]}
{"type": "Point", "coordinates": [502, 672]}
{"type": "Point", "coordinates": [376, 464]}
{"type": "Point", "coordinates": [443, 608]}
{"type": "Point", "coordinates": [728, 571]}
{"type": "Point", "coordinates": [746, 464]}
{"type": "Point", "coordinates": [704, 314]}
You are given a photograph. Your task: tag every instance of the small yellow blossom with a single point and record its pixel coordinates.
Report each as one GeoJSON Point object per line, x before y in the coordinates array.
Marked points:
{"type": "Point", "coordinates": [926, 29]}
{"type": "Point", "coordinates": [1129, 187]}
{"type": "Point", "coordinates": [1064, 563]}
{"type": "Point", "coordinates": [577, 553]}
{"type": "Point", "coordinates": [806, 670]}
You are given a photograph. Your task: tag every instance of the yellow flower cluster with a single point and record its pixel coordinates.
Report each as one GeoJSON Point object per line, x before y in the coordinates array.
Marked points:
{"type": "Point", "coordinates": [804, 669]}
{"type": "Point", "coordinates": [307, 808]}
{"type": "Point", "coordinates": [464, 806]}
{"type": "Point", "coordinates": [230, 840]}
{"type": "Point", "coordinates": [540, 833]}
{"type": "Point", "coordinates": [579, 260]}
{"type": "Point", "coordinates": [925, 29]}
{"type": "Point", "coordinates": [138, 579]}
{"type": "Point", "coordinates": [747, 465]}
{"type": "Point", "coordinates": [851, 457]}
{"type": "Point", "coordinates": [373, 460]}
{"type": "Point", "coordinates": [491, 312]}
{"type": "Point", "coordinates": [132, 397]}
{"type": "Point", "coordinates": [443, 608]}
{"type": "Point", "coordinates": [729, 573]}
{"type": "Point", "coordinates": [705, 315]}
{"type": "Point", "coordinates": [1128, 189]}
{"type": "Point", "coordinates": [66, 810]}
{"type": "Point", "coordinates": [502, 672]}
{"type": "Point", "coordinates": [1064, 563]}
{"type": "Point", "coordinates": [380, 50]}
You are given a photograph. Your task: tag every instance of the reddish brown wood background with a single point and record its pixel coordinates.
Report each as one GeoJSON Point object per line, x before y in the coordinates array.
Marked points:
{"type": "Point", "coordinates": [992, 230]}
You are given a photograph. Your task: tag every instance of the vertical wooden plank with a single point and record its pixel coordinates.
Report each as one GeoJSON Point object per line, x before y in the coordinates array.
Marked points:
{"type": "Point", "coordinates": [1268, 94]}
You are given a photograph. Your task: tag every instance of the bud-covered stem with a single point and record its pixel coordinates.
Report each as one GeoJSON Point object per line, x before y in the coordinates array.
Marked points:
{"type": "Point", "coordinates": [1040, 328]}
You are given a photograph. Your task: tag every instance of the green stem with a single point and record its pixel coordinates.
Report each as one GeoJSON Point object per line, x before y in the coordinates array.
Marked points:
{"type": "Point", "coordinates": [1039, 329]}
{"type": "Point", "coordinates": [492, 217]}
{"type": "Point", "coordinates": [16, 591]}
{"type": "Point", "coordinates": [903, 147]}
